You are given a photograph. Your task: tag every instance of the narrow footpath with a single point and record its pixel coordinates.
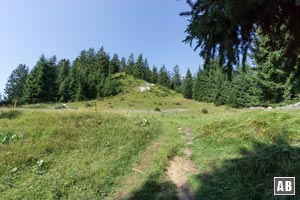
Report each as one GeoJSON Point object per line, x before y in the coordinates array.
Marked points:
{"type": "Point", "coordinates": [181, 168]}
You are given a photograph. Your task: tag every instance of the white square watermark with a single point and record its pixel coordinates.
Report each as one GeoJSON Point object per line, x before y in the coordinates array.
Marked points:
{"type": "Point", "coordinates": [284, 185]}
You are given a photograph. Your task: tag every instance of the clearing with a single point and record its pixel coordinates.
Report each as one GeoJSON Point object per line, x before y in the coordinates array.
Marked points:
{"type": "Point", "coordinates": [145, 145]}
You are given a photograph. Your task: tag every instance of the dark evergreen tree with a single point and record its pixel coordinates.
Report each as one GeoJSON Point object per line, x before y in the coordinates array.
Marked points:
{"type": "Point", "coordinates": [16, 82]}
{"type": "Point", "coordinates": [271, 78]}
{"type": "Point", "coordinates": [154, 75]}
{"type": "Point", "coordinates": [146, 70]}
{"type": "Point", "coordinates": [164, 77]}
{"type": "Point", "coordinates": [187, 87]}
{"type": "Point", "coordinates": [129, 69]}
{"type": "Point", "coordinates": [226, 29]}
{"type": "Point", "coordinates": [201, 86]}
{"type": "Point", "coordinates": [114, 65]}
{"type": "Point", "coordinates": [41, 85]}
{"type": "Point", "coordinates": [176, 79]}
{"type": "Point", "coordinates": [49, 87]}
{"type": "Point", "coordinates": [123, 64]}
{"type": "Point", "coordinates": [103, 62]}
{"type": "Point", "coordinates": [33, 84]}
{"type": "Point", "coordinates": [218, 83]}
{"type": "Point", "coordinates": [243, 91]}
{"type": "Point", "coordinates": [139, 70]}
{"type": "Point", "coordinates": [63, 80]}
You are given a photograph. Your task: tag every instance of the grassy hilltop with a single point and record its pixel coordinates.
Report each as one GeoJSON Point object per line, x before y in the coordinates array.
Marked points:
{"type": "Point", "coordinates": [119, 147]}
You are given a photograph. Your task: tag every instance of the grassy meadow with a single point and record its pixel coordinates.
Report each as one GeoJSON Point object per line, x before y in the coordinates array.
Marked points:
{"type": "Point", "coordinates": [119, 148]}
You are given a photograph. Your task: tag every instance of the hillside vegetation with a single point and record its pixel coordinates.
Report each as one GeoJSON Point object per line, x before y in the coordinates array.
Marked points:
{"type": "Point", "coordinates": [119, 147]}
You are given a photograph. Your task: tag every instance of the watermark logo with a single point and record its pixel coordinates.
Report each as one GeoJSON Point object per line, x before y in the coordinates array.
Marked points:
{"type": "Point", "coordinates": [284, 185]}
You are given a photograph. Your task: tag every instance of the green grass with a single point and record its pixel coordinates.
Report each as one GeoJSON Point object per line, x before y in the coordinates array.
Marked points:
{"type": "Point", "coordinates": [89, 150]}
{"type": "Point", "coordinates": [239, 155]}
{"type": "Point", "coordinates": [70, 155]}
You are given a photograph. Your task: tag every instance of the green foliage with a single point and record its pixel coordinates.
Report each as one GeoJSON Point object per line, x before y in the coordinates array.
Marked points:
{"type": "Point", "coordinates": [204, 110]}
{"type": "Point", "coordinates": [114, 65]}
{"type": "Point", "coordinates": [63, 80]}
{"type": "Point", "coordinates": [157, 109]}
{"type": "Point", "coordinates": [226, 29]}
{"type": "Point", "coordinates": [187, 86]}
{"type": "Point", "coordinates": [41, 85]}
{"type": "Point", "coordinates": [244, 91]}
{"type": "Point", "coordinates": [275, 84]}
{"type": "Point", "coordinates": [164, 77]}
{"type": "Point", "coordinates": [201, 86]}
{"type": "Point", "coordinates": [15, 84]}
{"type": "Point", "coordinates": [176, 79]}
{"type": "Point", "coordinates": [11, 114]}
{"type": "Point", "coordinates": [10, 137]}
{"type": "Point", "coordinates": [154, 75]}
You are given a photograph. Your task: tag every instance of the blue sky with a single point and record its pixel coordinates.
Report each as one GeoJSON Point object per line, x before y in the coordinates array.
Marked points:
{"type": "Point", "coordinates": [65, 27]}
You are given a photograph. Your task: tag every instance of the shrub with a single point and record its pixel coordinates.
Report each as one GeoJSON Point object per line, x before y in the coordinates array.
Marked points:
{"type": "Point", "coordinates": [157, 109]}
{"type": "Point", "coordinates": [12, 114]}
{"type": "Point", "coordinates": [88, 104]}
{"type": "Point", "coordinates": [204, 111]}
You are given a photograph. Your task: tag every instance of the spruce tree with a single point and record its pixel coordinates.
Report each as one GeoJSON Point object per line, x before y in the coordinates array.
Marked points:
{"type": "Point", "coordinates": [16, 82]}
{"type": "Point", "coordinates": [243, 91]}
{"type": "Point", "coordinates": [201, 86]}
{"type": "Point", "coordinates": [123, 64]}
{"type": "Point", "coordinates": [139, 70]}
{"type": "Point", "coordinates": [33, 84]}
{"type": "Point", "coordinates": [218, 83]}
{"type": "Point", "coordinates": [176, 79]}
{"type": "Point", "coordinates": [63, 80]}
{"type": "Point", "coordinates": [154, 75]}
{"type": "Point", "coordinates": [164, 77]}
{"type": "Point", "coordinates": [41, 85]}
{"type": "Point", "coordinates": [271, 78]}
{"type": "Point", "coordinates": [129, 69]}
{"type": "Point", "coordinates": [226, 29]}
{"type": "Point", "coordinates": [49, 87]}
{"type": "Point", "coordinates": [146, 71]}
{"type": "Point", "coordinates": [114, 65]}
{"type": "Point", "coordinates": [187, 89]}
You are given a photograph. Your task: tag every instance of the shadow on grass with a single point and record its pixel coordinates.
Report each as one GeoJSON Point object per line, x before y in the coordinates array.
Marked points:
{"type": "Point", "coordinates": [11, 114]}
{"type": "Point", "coordinates": [251, 175]}
{"type": "Point", "coordinates": [155, 190]}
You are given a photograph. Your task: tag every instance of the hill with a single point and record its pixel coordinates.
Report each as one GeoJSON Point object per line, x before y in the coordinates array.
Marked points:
{"type": "Point", "coordinates": [126, 146]}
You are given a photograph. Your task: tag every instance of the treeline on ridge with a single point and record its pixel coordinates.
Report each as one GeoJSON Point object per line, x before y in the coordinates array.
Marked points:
{"type": "Point", "coordinates": [89, 76]}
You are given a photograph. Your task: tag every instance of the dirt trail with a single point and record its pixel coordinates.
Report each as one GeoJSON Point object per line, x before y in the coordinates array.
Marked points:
{"type": "Point", "coordinates": [181, 168]}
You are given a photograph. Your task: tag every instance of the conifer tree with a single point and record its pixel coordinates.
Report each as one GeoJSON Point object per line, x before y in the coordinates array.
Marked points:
{"type": "Point", "coordinates": [243, 91]}
{"type": "Point", "coordinates": [33, 84]}
{"type": "Point", "coordinates": [154, 75]}
{"type": "Point", "coordinates": [227, 28]}
{"type": "Point", "coordinates": [49, 87]}
{"type": "Point", "coordinates": [271, 78]}
{"type": "Point", "coordinates": [201, 86]}
{"type": "Point", "coordinates": [139, 70]}
{"type": "Point", "coordinates": [164, 77]}
{"type": "Point", "coordinates": [130, 65]}
{"type": "Point", "coordinates": [146, 70]}
{"type": "Point", "coordinates": [176, 79]}
{"type": "Point", "coordinates": [114, 65]}
{"type": "Point", "coordinates": [16, 82]}
{"type": "Point", "coordinates": [123, 64]}
{"type": "Point", "coordinates": [187, 89]}
{"type": "Point", "coordinates": [63, 80]}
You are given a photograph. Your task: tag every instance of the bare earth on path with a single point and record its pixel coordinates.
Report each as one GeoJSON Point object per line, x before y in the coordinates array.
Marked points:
{"type": "Point", "coordinates": [180, 169]}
